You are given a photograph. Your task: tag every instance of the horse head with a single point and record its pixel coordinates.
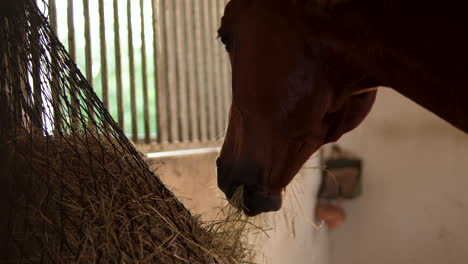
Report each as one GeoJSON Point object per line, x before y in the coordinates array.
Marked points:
{"type": "Point", "coordinates": [292, 92]}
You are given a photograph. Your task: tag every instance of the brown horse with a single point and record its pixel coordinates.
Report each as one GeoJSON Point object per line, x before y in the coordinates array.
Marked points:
{"type": "Point", "coordinates": [298, 67]}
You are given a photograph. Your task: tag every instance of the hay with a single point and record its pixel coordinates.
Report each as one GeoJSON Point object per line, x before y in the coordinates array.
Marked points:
{"type": "Point", "coordinates": [79, 210]}
{"type": "Point", "coordinates": [73, 189]}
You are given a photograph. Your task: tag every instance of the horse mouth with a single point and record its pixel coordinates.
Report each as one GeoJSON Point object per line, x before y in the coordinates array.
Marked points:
{"type": "Point", "coordinates": [254, 201]}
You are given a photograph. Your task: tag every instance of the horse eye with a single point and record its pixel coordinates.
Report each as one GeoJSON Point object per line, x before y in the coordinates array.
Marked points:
{"type": "Point", "coordinates": [226, 39]}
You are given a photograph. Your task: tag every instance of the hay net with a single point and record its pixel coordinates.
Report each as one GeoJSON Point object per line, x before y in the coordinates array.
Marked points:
{"type": "Point", "coordinates": [73, 189]}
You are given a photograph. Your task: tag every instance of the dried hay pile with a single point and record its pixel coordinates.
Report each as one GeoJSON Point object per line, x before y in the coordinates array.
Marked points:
{"type": "Point", "coordinates": [73, 202]}
{"type": "Point", "coordinates": [73, 189]}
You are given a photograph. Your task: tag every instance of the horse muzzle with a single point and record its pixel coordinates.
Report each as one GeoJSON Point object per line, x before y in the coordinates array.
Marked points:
{"type": "Point", "coordinates": [257, 201]}
{"type": "Point", "coordinates": [245, 192]}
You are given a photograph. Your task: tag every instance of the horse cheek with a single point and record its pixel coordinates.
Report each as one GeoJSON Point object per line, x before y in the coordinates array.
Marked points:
{"type": "Point", "coordinates": [357, 111]}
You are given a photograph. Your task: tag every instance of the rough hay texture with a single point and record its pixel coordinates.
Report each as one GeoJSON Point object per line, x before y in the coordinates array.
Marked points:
{"type": "Point", "coordinates": [73, 189]}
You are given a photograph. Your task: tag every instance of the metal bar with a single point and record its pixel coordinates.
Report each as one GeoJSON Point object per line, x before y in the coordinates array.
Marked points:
{"type": "Point", "coordinates": [209, 70]}
{"type": "Point", "coordinates": [72, 51]}
{"type": "Point", "coordinates": [103, 42]}
{"type": "Point", "coordinates": [37, 104]}
{"type": "Point", "coordinates": [71, 30]}
{"type": "Point", "coordinates": [226, 80]}
{"type": "Point", "coordinates": [144, 76]}
{"type": "Point", "coordinates": [160, 71]}
{"type": "Point", "coordinates": [172, 71]}
{"type": "Point", "coordinates": [132, 73]}
{"type": "Point", "coordinates": [227, 97]}
{"type": "Point", "coordinates": [53, 15]}
{"type": "Point", "coordinates": [88, 51]}
{"type": "Point", "coordinates": [221, 73]}
{"type": "Point", "coordinates": [118, 66]}
{"type": "Point", "coordinates": [192, 83]}
{"type": "Point", "coordinates": [217, 70]}
{"type": "Point", "coordinates": [179, 10]}
{"type": "Point", "coordinates": [200, 70]}
{"type": "Point", "coordinates": [180, 153]}
{"type": "Point", "coordinates": [54, 82]}
{"type": "Point", "coordinates": [88, 56]}
{"type": "Point", "coordinates": [152, 148]}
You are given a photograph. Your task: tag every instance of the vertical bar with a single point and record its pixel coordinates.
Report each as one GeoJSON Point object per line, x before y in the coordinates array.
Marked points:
{"type": "Point", "coordinates": [88, 56]}
{"type": "Point", "coordinates": [160, 71]}
{"type": "Point", "coordinates": [144, 76]}
{"type": "Point", "coordinates": [53, 15]}
{"type": "Point", "coordinates": [179, 9]}
{"type": "Point", "coordinates": [35, 71]}
{"type": "Point", "coordinates": [200, 70]}
{"type": "Point", "coordinates": [88, 51]}
{"type": "Point", "coordinates": [72, 51]}
{"type": "Point", "coordinates": [217, 69]}
{"type": "Point", "coordinates": [54, 82]}
{"type": "Point", "coordinates": [209, 69]}
{"type": "Point", "coordinates": [103, 42]}
{"type": "Point", "coordinates": [192, 82]}
{"type": "Point", "coordinates": [221, 73]}
{"type": "Point", "coordinates": [71, 30]}
{"type": "Point", "coordinates": [172, 70]}
{"type": "Point", "coordinates": [132, 73]}
{"type": "Point", "coordinates": [118, 66]}
{"type": "Point", "coordinates": [226, 80]}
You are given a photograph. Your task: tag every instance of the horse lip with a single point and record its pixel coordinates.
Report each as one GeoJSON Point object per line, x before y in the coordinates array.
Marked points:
{"type": "Point", "coordinates": [254, 212]}
{"type": "Point", "coordinates": [262, 201]}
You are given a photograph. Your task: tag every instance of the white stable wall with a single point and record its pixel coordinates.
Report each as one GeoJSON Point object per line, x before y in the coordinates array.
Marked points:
{"type": "Point", "coordinates": [414, 208]}
{"type": "Point", "coordinates": [293, 239]}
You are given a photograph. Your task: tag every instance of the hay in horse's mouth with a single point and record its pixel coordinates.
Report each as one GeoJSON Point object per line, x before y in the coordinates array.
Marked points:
{"type": "Point", "coordinates": [237, 199]}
